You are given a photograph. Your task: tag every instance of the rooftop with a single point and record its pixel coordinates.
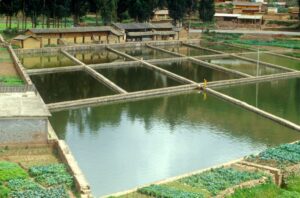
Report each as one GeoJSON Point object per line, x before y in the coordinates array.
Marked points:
{"type": "Point", "coordinates": [143, 26]}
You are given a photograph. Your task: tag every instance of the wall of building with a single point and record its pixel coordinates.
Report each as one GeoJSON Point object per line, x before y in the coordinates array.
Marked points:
{"type": "Point", "coordinates": [31, 43]}
{"type": "Point", "coordinates": [23, 131]}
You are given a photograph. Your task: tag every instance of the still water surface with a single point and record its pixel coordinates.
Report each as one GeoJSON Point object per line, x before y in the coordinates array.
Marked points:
{"type": "Point", "coordinates": [195, 72]}
{"type": "Point", "coordinates": [245, 66]}
{"type": "Point", "coordinates": [121, 146]}
{"type": "Point", "coordinates": [280, 97]}
{"type": "Point", "coordinates": [59, 87]}
{"type": "Point", "coordinates": [145, 52]}
{"type": "Point", "coordinates": [137, 78]}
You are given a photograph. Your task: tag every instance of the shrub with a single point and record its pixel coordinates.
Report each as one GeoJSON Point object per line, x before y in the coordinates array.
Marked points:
{"type": "Point", "coordinates": [9, 171]}
{"type": "Point", "coordinates": [167, 192]}
{"type": "Point", "coordinates": [42, 193]}
{"type": "Point", "coordinates": [52, 175]}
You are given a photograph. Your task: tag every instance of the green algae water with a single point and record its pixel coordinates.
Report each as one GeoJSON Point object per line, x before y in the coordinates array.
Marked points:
{"type": "Point", "coordinates": [223, 47]}
{"type": "Point", "coordinates": [125, 145]}
{"type": "Point", "coordinates": [40, 61]}
{"type": "Point", "coordinates": [188, 51]}
{"type": "Point", "coordinates": [195, 72]}
{"type": "Point", "coordinates": [145, 53]}
{"type": "Point", "coordinates": [245, 66]}
{"type": "Point", "coordinates": [137, 78]}
{"type": "Point", "coordinates": [98, 56]}
{"type": "Point", "coordinates": [277, 60]}
{"type": "Point", "coordinates": [60, 87]}
{"type": "Point", "coordinates": [279, 97]}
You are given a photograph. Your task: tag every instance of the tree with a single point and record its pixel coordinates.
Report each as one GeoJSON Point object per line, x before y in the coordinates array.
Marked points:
{"type": "Point", "coordinates": [33, 10]}
{"type": "Point", "coordinates": [177, 10]}
{"type": "Point", "coordinates": [79, 8]}
{"type": "Point", "coordinates": [9, 8]}
{"type": "Point", "coordinates": [141, 10]}
{"type": "Point", "coordinates": [207, 10]}
{"type": "Point", "coordinates": [122, 9]}
{"type": "Point", "coordinates": [108, 10]}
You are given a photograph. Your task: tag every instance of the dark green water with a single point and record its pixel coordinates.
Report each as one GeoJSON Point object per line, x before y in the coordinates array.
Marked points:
{"type": "Point", "coordinates": [277, 60]}
{"type": "Point", "coordinates": [188, 51]}
{"type": "Point", "coordinates": [245, 66]}
{"type": "Point", "coordinates": [137, 78]}
{"type": "Point", "coordinates": [195, 71]}
{"type": "Point", "coordinates": [98, 57]}
{"type": "Point", "coordinates": [59, 87]}
{"type": "Point", "coordinates": [121, 146]}
{"type": "Point", "coordinates": [281, 97]}
{"type": "Point", "coordinates": [145, 52]}
{"type": "Point", "coordinates": [40, 61]}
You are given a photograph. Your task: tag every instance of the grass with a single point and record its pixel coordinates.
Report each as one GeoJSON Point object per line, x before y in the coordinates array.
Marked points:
{"type": "Point", "coordinates": [293, 183]}
{"type": "Point", "coordinates": [11, 80]}
{"type": "Point", "coordinates": [9, 171]}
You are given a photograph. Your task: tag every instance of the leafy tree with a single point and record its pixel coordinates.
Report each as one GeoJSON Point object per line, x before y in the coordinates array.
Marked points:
{"type": "Point", "coordinates": [9, 8]}
{"type": "Point", "coordinates": [33, 10]}
{"type": "Point", "coordinates": [207, 10]}
{"type": "Point", "coordinates": [108, 10]}
{"type": "Point", "coordinates": [122, 9]}
{"type": "Point", "coordinates": [79, 8]}
{"type": "Point", "coordinates": [141, 10]}
{"type": "Point", "coordinates": [177, 10]}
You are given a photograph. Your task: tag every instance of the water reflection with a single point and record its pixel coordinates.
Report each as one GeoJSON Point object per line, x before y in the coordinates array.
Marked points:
{"type": "Point", "coordinates": [280, 97]}
{"type": "Point", "coordinates": [145, 53]}
{"type": "Point", "coordinates": [188, 51]}
{"type": "Point", "coordinates": [120, 146]}
{"type": "Point", "coordinates": [195, 71]}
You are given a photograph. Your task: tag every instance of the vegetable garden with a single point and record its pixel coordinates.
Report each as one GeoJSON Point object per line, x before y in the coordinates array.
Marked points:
{"type": "Point", "coordinates": [50, 181]}
{"type": "Point", "coordinates": [236, 182]}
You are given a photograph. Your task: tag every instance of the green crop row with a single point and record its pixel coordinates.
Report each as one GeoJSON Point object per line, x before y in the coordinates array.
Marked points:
{"type": "Point", "coordinates": [42, 193]}
{"type": "Point", "coordinates": [9, 171]}
{"type": "Point", "coordinates": [289, 153]}
{"type": "Point", "coordinates": [52, 175]}
{"type": "Point", "coordinates": [160, 191]}
{"type": "Point", "coordinates": [219, 179]}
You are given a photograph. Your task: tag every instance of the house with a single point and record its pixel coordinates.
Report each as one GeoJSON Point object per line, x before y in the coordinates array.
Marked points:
{"type": "Point", "coordinates": [149, 31]}
{"type": "Point", "coordinates": [161, 16]}
{"type": "Point", "coordinates": [27, 41]}
{"type": "Point", "coordinates": [240, 7]}
{"type": "Point", "coordinates": [232, 21]}
{"type": "Point", "coordinates": [78, 35]}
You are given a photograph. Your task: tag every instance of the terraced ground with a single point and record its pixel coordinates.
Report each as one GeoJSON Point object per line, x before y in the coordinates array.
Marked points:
{"type": "Point", "coordinates": [33, 172]}
{"type": "Point", "coordinates": [8, 72]}
{"type": "Point", "coordinates": [236, 181]}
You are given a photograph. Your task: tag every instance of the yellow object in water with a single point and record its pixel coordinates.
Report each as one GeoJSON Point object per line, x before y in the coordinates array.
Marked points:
{"type": "Point", "coordinates": [205, 83]}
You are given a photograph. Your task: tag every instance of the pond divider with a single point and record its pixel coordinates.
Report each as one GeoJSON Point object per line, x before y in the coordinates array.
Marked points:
{"type": "Point", "coordinates": [217, 67]}
{"type": "Point", "coordinates": [202, 48]}
{"type": "Point", "coordinates": [75, 60]}
{"type": "Point", "coordinates": [166, 51]}
{"type": "Point", "coordinates": [104, 80]}
{"type": "Point", "coordinates": [283, 55]}
{"type": "Point", "coordinates": [254, 109]}
{"type": "Point", "coordinates": [153, 67]}
{"type": "Point", "coordinates": [32, 72]}
{"type": "Point", "coordinates": [263, 63]}
{"type": "Point", "coordinates": [234, 82]}
{"type": "Point", "coordinates": [121, 97]}
{"type": "Point", "coordinates": [96, 74]}
{"type": "Point", "coordinates": [19, 67]}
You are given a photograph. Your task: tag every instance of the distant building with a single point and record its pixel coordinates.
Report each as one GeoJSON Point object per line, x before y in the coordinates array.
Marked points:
{"type": "Point", "coordinates": [232, 21]}
{"type": "Point", "coordinates": [151, 31]}
{"type": "Point", "coordinates": [161, 16]}
{"type": "Point", "coordinates": [240, 7]}
{"type": "Point", "coordinates": [27, 42]}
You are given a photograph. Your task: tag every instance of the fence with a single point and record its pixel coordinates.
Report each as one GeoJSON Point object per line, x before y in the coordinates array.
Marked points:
{"type": "Point", "coordinates": [17, 89]}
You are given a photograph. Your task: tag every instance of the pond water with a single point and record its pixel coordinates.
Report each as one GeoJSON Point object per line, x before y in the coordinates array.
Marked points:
{"type": "Point", "coordinates": [40, 61]}
{"type": "Point", "coordinates": [245, 66]}
{"type": "Point", "coordinates": [195, 72]}
{"type": "Point", "coordinates": [137, 78]}
{"type": "Point", "coordinates": [145, 52]}
{"type": "Point", "coordinates": [121, 146]}
{"type": "Point", "coordinates": [188, 51]}
{"type": "Point", "coordinates": [277, 60]}
{"type": "Point", "coordinates": [59, 87]}
{"type": "Point", "coordinates": [98, 56]}
{"type": "Point", "coordinates": [280, 97]}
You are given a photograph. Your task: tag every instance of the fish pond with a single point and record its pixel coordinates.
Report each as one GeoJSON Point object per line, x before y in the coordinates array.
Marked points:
{"type": "Point", "coordinates": [124, 145]}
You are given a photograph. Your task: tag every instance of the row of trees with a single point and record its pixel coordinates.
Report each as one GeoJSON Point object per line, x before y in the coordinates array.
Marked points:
{"type": "Point", "coordinates": [56, 12]}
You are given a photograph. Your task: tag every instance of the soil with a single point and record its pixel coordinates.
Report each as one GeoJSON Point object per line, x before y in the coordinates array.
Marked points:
{"type": "Point", "coordinates": [8, 69]}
